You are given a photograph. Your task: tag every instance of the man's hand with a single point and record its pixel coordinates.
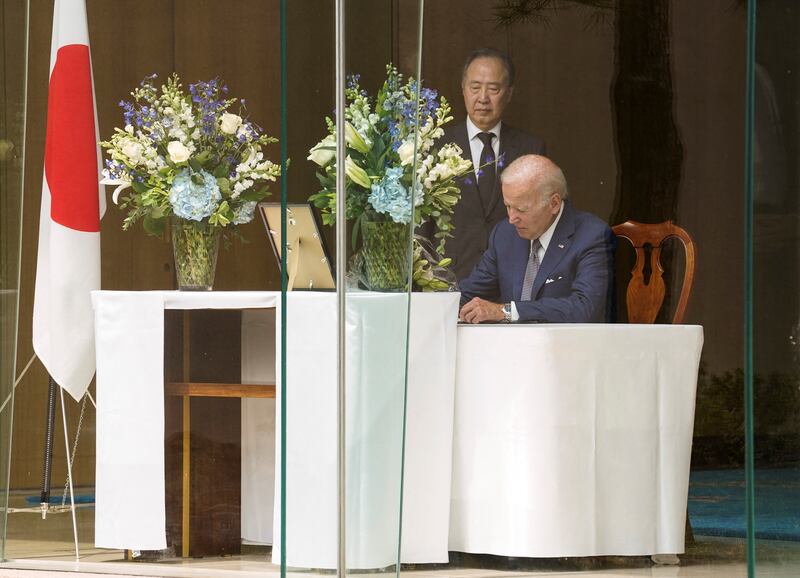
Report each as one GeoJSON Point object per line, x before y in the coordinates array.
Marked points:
{"type": "Point", "coordinates": [479, 310]}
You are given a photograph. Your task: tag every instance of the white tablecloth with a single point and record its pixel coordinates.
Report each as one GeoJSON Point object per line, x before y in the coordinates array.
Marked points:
{"type": "Point", "coordinates": [569, 440]}
{"type": "Point", "coordinates": [573, 440]}
{"type": "Point", "coordinates": [375, 344]}
{"type": "Point", "coordinates": [130, 457]}
{"type": "Point", "coordinates": [129, 338]}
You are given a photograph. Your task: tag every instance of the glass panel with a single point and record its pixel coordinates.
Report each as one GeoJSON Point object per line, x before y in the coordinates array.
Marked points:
{"type": "Point", "coordinates": [775, 291]}
{"type": "Point", "coordinates": [188, 339]}
{"type": "Point", "coordinates": [376, 250]}
{"type": "Point", "coordinates": [305, 522]}
{"type": "Point", "coordinates": [641, 105]}
{"type": "Point", "coordinates": [382, 65]}
{"type": "Point", "coordinates": [12, 140]}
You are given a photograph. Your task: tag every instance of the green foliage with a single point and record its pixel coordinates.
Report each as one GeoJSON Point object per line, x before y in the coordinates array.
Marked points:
{"type": "Point", "coordinates": [511, 12]}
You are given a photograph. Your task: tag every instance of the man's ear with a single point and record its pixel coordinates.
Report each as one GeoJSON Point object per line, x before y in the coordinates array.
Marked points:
{"type": "Point", "coordinates": [510, 93]}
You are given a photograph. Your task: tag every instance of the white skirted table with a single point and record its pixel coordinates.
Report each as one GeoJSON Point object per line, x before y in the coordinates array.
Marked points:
{"type": "Point", "coordinates": [521, 440]}
{"type": "Point", "coordinates": [129, 329]}
{"type": "Point", "coordinates": [129, 339]}
{"type": "Point", "coordinates": [573, 440]}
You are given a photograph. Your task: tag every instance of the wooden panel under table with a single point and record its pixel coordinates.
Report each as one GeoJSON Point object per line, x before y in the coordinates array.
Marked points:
{"type": "Point", "coordinates": [202, 374]}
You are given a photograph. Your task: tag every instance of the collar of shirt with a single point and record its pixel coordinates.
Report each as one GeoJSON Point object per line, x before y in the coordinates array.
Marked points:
{"type": "Point", "coordinates": [476, 146]}
{"type": "Point", "coordinates": [544, 239]}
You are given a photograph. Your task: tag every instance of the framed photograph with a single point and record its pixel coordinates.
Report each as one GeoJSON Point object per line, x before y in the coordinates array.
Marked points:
{"type": "Point", "coordinates": [308, 260]}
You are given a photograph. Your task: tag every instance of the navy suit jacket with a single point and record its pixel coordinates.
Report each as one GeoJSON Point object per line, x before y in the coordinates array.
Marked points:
{"type": "Point", "coordinates": [573, 284]}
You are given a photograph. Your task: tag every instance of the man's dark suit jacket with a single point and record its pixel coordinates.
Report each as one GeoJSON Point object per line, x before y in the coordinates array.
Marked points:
{"type": "Point", "coordinates": [573, 284]}
{"type": "Point", "coordinates": [473, 222]}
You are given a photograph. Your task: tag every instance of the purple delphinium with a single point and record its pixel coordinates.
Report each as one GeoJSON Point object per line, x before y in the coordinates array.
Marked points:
{"type": "Point", "coordinates": [115, 169]}
{"type": "Point", "coordinates": [429, 97]}
{"type": "Point", "coordinates": [206, 95]}
{"type": "Point", "coordinates": [501, 161]}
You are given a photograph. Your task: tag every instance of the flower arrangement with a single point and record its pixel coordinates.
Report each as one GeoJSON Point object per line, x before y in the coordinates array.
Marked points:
{"type": "Point", "coordinates": [185, 154]}
{"type": "Point", "coordinates": [383, 182]}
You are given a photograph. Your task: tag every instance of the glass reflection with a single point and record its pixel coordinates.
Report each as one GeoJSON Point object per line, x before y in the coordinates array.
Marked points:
{"type": "Point", "coordinates": [774, 295]}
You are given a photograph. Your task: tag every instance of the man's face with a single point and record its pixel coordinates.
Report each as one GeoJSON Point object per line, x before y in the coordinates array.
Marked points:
{"type": "Point", "coordinates": [486, 91]}
{"type": "Point", "coordinates": [527, 211]}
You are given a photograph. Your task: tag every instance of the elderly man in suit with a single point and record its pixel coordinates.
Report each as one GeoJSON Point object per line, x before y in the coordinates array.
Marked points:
{"type": "Point", "coordinates": [487, 83]}
{"type": "Point", "coordinates": [546, 262]}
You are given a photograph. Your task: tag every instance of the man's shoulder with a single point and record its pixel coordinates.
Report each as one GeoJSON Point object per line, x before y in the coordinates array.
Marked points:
{"type": "Point", "coordinates": [455, 129]}
{"type": "Point", "coordinates": [588, 223]}
{"type": "Point", "coordinates": [523, 140]}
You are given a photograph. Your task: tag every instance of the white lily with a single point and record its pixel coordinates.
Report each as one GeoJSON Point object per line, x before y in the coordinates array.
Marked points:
{"type": "Point", "coordinates": [121, 186]}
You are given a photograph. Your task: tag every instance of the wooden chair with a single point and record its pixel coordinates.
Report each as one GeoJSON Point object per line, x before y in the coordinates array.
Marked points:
{"type": "Point", "coordinates": [644, 300]}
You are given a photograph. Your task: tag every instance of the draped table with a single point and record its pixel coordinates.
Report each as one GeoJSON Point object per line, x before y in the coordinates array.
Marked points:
{"type": "Point", "coordinates": [522, 440]}
{"type": "Point", "coordinates": [130, 512]}
{"type": "Point", "coordinates": [573, 440]}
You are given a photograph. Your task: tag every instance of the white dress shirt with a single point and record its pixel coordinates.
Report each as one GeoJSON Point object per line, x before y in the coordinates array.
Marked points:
{"type": "Point", "coordinates": [476, 146]}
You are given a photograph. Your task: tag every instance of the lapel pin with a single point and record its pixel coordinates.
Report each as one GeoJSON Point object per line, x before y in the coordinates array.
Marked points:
{"type": "Point", "coordinates": [560, 246]}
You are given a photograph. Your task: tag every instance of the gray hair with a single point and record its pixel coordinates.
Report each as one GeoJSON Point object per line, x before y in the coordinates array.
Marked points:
{"type": "Point", "coordinates": [504, 58]}
{"type": "Point", "coordinates": [542, 173]}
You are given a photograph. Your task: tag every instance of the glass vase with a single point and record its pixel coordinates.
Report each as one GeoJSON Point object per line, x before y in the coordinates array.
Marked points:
{"type": "Point", "coordinates": [195, 246]}
{"type": "Point", "coordinates": [385, 251]}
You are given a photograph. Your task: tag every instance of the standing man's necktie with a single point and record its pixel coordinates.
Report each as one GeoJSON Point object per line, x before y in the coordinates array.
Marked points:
{"type": "Point", "coordinates": [487, 171]}
{"type": "Point", "coordinates": [530, 271]}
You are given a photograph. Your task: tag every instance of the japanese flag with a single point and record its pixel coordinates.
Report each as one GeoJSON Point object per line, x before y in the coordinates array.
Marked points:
{"type": "Point", "coordinates": [73, 202]}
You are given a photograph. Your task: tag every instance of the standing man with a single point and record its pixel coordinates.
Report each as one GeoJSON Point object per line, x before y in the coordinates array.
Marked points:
{"type": "Point", "coordinates": [487, 83]}
{"type": "Point", "coordinates": [546, 262]}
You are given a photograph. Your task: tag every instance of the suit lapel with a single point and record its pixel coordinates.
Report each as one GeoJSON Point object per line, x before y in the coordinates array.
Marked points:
{"type": "Point", "coordinates": [470, 196]}
{"type": "Point", "coordinates": [558, 247]}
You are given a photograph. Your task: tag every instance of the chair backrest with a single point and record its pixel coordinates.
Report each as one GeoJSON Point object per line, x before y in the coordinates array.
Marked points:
{"type": "Point", "coordinates": [645, 299]}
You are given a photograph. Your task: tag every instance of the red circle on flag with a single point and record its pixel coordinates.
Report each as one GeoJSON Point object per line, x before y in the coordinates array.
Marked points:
{"type": "Point", "coordinates": [70, 158]}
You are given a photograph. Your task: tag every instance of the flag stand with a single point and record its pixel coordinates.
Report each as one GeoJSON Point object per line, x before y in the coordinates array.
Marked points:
{"type": "Point", "coordinates": [44, 498]}
{"type": "Point", "coordinates": [69, 476]}
{"type": "Point", "coordinates": [70, 456]}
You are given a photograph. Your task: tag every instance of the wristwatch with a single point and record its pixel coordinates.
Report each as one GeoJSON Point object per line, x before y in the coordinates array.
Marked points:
{"type": "Point", "coordinates": [507, 312]}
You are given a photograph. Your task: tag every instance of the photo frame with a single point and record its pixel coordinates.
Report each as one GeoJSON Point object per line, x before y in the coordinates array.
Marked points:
{"type": "Point", "coordinates": [309, 264]}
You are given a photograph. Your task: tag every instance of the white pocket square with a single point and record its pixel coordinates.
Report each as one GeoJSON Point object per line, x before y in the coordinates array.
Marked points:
{"type": "Point", "coordinates": [553, 280]}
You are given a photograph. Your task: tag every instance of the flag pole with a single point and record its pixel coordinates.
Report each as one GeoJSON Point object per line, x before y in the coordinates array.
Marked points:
{"type": "Point", "coordinates": [44, 498]}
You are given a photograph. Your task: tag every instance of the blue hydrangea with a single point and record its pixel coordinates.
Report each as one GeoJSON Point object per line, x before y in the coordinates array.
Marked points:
{"type": "Point", "coordinates": [245, 213]}
{"type": "Point", "coordinates": [194, 200]}
{"type": "Point", "coordinates": [390, 197]}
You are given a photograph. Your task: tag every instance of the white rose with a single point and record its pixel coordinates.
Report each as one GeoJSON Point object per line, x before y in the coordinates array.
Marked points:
{"type": "Point", "coordinates": [406, 152]}
{"type": "Point", "coordinates": [229, 123]}
{"type": "Point", "coordinates": [178, 153]}
{"type": "Point", "coordinates": [133, 150]}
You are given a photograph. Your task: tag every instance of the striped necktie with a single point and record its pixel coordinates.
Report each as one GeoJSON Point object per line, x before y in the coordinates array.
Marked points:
{"type": "Point", "coordinates": [531, 270]}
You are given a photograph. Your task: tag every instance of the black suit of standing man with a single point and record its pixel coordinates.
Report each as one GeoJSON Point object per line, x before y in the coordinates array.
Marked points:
{"type": "Point", "coordinates": [487, 83]}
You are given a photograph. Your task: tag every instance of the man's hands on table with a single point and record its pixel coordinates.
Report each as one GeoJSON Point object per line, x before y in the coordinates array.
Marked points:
{"type": "Point", "coordinates": [479, 310]}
